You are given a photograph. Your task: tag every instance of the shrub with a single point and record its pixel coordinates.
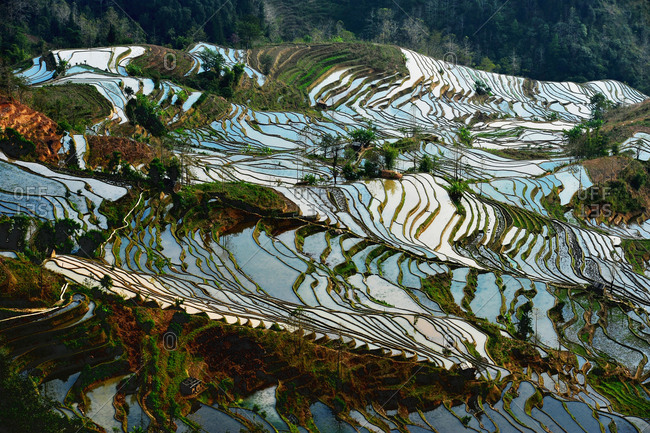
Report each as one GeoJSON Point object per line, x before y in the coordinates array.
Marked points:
{"type": "Point", "coordinates": [427, 164]}
{"type": "Point", "coordinates": [465, 136]}
{"type": "Point", "coordinates": [586, 141]}
{"type": "Point", "coordinates": [266, 61]}
{"type": "Point", "coordinates": [134, 70]}
{"type": "Point", "coordinates": [455, 190]}
{"type": "Point", "coordinates": [310, 179]}
{"type": "Point", "coordinates": [142, 112]}
{"type": "Point", "coordinates": [365, 137]}
{"type": "Point", "coordinates": [349, 172]}
{"type": "Point", "coordinates": [370, 168]}
{"type": "Point", "coordinates": [481, 88]}
{"type": "Point", "coordinates": [390, 156]}
{"type": "Point", "coordinates": [14, 145]}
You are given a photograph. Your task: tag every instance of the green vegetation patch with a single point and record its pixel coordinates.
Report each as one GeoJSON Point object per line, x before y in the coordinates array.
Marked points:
{"type": "Point", "coordinates": [23, 409]}
{"type": "Point", "coordinates": [254, 195]}
{"type": "Point", "coordinates": [627, 398]}
{"type": "Point", "coordinates": [70, 105]}
{"type": "Point", "coordinates": [302, 66]}
{"type": "Point", "coordinates": [438, 288]}
{"type": "Point", "coordinates": [22, 283]}
{"type": "Point", "coordinates": [637, 252]}
{"type": "Point", "coordinates": [225, 204]}
{"type": "Point", "coordinates": [161, 63]}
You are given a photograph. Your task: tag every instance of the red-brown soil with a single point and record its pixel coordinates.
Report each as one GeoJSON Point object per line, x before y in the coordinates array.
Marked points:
{"type": "Point", "coordinates": [102, 148]}
{"type": "Point", "coordinates": [33, 125]}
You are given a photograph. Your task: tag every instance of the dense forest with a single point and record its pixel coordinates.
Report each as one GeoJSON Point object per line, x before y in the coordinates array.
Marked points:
{"type": "Point", "coordinates": [577, 40]}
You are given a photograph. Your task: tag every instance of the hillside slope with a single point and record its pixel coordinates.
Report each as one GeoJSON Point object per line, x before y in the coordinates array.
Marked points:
{"type": "Point", "coordinates": [35, 126]}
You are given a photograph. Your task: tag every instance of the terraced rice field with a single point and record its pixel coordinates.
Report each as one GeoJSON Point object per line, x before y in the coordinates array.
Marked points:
{"type": "Point", "coordinates": [360, 262]}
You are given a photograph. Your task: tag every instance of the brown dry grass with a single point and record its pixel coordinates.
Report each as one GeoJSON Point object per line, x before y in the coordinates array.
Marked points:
{"type": "Point", "coordinates": [607, 168]}
{"type": "Point", "coordinates": [102, 148]}
{"type": "Point", "coordinates": [33, 125]}
{"type": "Point", "coordinates": [165, 61]}
{"type": "Point", "coordinates": [623, 122]}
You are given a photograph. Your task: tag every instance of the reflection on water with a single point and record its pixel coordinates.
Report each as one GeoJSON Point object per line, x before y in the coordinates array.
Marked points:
{"type": "Point", "coordinates": [136, 416]}
{"type": "Point", "coordinates": [214, 421]}
{"type": "Point", "coordinates": [101, 409]}
{"type": "Point", "coordinates": [57, 389]}
{"type": "Point", "coordinates": [265, 400]}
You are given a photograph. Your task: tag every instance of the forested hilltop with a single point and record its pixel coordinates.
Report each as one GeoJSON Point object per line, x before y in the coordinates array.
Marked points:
{"type": "Point", "coordinates": [575, 40]}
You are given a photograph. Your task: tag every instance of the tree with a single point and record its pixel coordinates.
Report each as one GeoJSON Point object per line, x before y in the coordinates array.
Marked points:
{"type": "Point", "coordinates": [364, 137]}
{"type": "Point", "coordinates": [390, 156]}
{"type": "Point", "coordinates": [111, 36]}
{"type": "Point", "coordinates": [486, 65]}
{"type": "Point", "coordinates": [266, 62]}
{"type": "Point", "coordinates": [89, 242]}
{"type": "Point", "coordinates": [583, 141]}
{"type": "Point", "coordinates": [335, 162]}
{"type": "Point", "coordinates": [481, 88]}
{"type": "Point", "coordinates": [28, 411]}
{"type": "Point", "coordinates": [106, 282]}
{"type": "Point", "coordinates": [142, 112]}
{"type": "Point", "coordinates": [456, 189]}
{"type": "Point", "coordinates": [371, 165]}
{"type": "Point", "coordinates": [326, 143]}
{"type": "Point", "coordinates": [297, 317]}
{"type": "Point", "coordinates": [465, 136]}
{"type": "Point", "coordinates": [599, 106]}
{"type": "Point", "coordinates": [427, 164]}
{"type": "Point", "coordinates": [387, 25]}
{"type": "Point", "coordinates": [10, 83]}
{"type": "Point", "coordinates": [114, 163]}
{"type": "Point", "coordinates": [349, 172]}
{"type": "Point", "coordinates": [238, 71]}
{"type": "Point", "coordinates": [173, 173]}
{"type": "Point", "coordinates": [249, 29]}
{"type": "Point", "coordinates": [524, 327]}
{"type": "Point", "coordinates": [212, 60]}
{"type": "Point", "coordinates": [156, 174]}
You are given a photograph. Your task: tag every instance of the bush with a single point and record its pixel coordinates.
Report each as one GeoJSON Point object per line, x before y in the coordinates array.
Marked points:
{"type": "Point", "coordinates": [390, 156]}
{"type": "Point", "coordinates": [310, 179]}
{"type": "Point", "coordinates": [599, 106]}
{"type": "Point", "coordinates": [481, 88]}
{"type": "Point", "coordinates": [427, 164]}
{"type": "Point", "coordinates": [134, 70]}
{"type": "Point", "coordinates": [370, 168]}
{"type": "Point", "coordinates": [635, 175]}
{"type": "Point", "coordinates": [14, 145]}
{"type": "Point", "coordinates": [266, 61]}
{"type": "Point", "coordinates": [465, 136]}
{"type": "Point", "coordinates": [142, 112]}
{"type": "Point", "coordinates": [89, 242]}
{"type": "Point", "coordinates": [586, 141]}
{"type": "Point", "coordinates": [365, 137]}
{"type": "Point", "coordinates": [25, 410]}
{"type": "Point", "coordinates": [349, 172]}
{"type": "Point", "coordinates": [456, 190]}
